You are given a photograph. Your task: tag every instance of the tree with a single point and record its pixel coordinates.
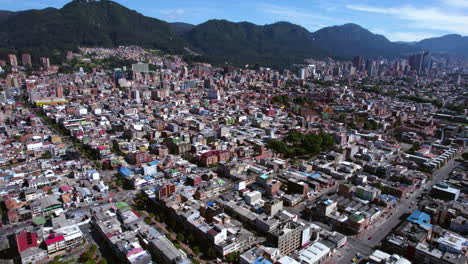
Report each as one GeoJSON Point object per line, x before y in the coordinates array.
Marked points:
{"type": "Point", "coordinates": [102, 261]}
{"type": "Point", "coordinates": [87, 255]}
{"type": "Point", "coordinates": [196, 250]}
{"type": "Point", "coordinates": [46, 155]}
{"type": "Point", "coordinates": [233, 257]}
{"type": "Point", "coordinates": [180, 237]}
{"type": "Point", "coordinates": [211, 253]}
{"type": "Point", "coordinates": [92, 248]}
{"type": "Point", "coordinates": [191, 238]}
{"type": "Point", "coordinates": [465, 156]}
{"type": "Point", "coordinates": [147, 220]}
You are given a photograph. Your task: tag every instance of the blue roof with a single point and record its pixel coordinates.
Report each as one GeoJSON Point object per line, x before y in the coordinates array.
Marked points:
{"type": "Point", "coordinates": [262, 260]}
{"type": "Point", "coordinates": [154, 162]}
{"type": "Point", "coordinates": [124, 171]}
{"type": "Point", "coordinates": [315, 176]}
{"type": "Point", "coordinates": [420, 218]}
{"type": "Point", "coordinates": [147, 177]}
{"type": "Point", "coordinates": [210, 203]}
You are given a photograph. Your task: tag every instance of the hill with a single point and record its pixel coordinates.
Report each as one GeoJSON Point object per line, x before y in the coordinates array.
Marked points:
{"type": "Point", "coordinates": [107, 24]}
{"type": "Point", "coordinates": [451, 44]}
{"type": "Point", "coordinates": [90, 23]}
{"type": "Point", "coordinates": [275, 44]}
{"type": "Point", "coordinates": [181, 28]}
{"type": "Point", "coordinates": [350, 40]}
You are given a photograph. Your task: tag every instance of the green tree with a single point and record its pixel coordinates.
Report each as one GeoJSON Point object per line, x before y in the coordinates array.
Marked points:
{"type": "Point", "coordinates": [93, 248]}
{"type": "Point", "coordinates": [465, 156]}
{"type": "Point", "coordinates": [102, 261]}
{"type": "Point", "coordinates": [233, 257]}
{"type": "Point", "coordinates": [211, 253]}
{"type": "Point", "coordinates": [196, 250]}
{"type": "Point", "coordinates": [180, 237]}
{"type": "Point", "coordinates": [148, 220]}
{"type": "Point", "coordinates": [46, 155]}
{"type": "Point", "coordinates": [191, 238]}
{"type": "Point", "coordinates": [87, 255]}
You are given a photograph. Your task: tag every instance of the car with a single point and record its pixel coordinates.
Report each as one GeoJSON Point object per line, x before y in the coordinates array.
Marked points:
{"type": "Point", "coordinates": [369, 238]}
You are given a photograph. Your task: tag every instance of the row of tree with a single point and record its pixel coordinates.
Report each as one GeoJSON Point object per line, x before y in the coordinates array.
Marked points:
{"type": "Point", "coordinates": [299, 144]}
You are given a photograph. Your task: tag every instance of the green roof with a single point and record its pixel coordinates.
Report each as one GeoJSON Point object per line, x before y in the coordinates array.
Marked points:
{"type": "Point", "coordinates": [39, 221]}
{"type": "Point", "coordinates": [123, 206]}
{"type": "Point", "coordinates": [356, 218]}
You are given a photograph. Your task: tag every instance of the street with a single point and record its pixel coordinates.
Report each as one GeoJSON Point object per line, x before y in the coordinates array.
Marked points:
{"type": "Point", "coordinates": [361, 244]}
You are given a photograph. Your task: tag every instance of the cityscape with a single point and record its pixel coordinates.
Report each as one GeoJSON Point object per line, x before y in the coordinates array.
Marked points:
{"type": "Point", "coordinates": [167, 151]}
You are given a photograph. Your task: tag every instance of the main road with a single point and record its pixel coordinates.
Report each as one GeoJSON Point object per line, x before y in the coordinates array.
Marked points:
{"type": "Point", "coordinates": [361, 243]}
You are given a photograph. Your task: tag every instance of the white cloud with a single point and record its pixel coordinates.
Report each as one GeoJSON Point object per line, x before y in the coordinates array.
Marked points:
{"type": "Point", "coordinates": [424, 18]}
{"type": "Point", "coordinates": [456, 3]}
{"type": "Point", "coordinates": [405, 36]}
{"type": "Point", "coordinates": [172, 14]}
{"type": "Point", "coordinates": [294, 15]}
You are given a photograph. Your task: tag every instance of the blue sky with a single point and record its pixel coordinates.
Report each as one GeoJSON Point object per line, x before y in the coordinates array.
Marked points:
{"type": "Point", "coordinates": [398, 20]}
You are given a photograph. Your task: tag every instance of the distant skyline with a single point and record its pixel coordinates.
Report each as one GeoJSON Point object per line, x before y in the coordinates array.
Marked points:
{"type": "Point", "coordinates": [398, 20]}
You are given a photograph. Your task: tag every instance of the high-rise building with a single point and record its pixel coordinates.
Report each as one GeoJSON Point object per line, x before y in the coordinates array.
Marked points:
{"type": "Point", "coordinates": [13, 60]}
{"type": "Point", "coordinates": [302, 74]}
{"type": "Point", "coordinates": [420, 63]}
{"type": "Point", "coordinates": [287, 237]}
{"type": "Point", "coordinates": [59, 91]}
{"type": "Point", "coordinates": [45, 62]}
{"type": "Point", "coordinates": [69, 55]}
{"type": "Point", "coordinates": [26, 59]}
{"type": "Point", "coordinates": [370, 68]}
{"type": "Point", "coordinates": [358, 63]}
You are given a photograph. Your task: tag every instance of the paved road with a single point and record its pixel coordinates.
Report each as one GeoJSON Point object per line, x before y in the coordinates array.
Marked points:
{"type": "Point", "coordinates": [361, 244]}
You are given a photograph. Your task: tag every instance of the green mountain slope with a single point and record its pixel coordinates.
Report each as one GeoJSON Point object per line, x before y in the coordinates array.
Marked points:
{"type": "Point", "coordinates": [451, 44]}
{"type": "Point", "coordinates": [96, 23]}
{"type": "Point", "coordinates": [350, 40]}
{"type": "Point", "coordinates": [279, 43]}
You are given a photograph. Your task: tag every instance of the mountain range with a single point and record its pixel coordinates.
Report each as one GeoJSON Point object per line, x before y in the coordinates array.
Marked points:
{"type": "Point", "coordinates": [107, 24]}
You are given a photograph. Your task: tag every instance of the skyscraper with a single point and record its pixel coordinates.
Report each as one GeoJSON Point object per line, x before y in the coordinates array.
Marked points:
{"type": "Point", "coordinates": [13, 60]}
{"type": "Point", "coordinates": [370, 67]}
{"type": "Point", "coordinates": [358, 62]}
{"type": "Point", "coordinates": [420, 63]}
{"type": "Point", "coordinates": [59, 91]}
{"type": "Point", "coordinates": [26, 59]}
{"type": "Point", "coordinates": [45, 62]}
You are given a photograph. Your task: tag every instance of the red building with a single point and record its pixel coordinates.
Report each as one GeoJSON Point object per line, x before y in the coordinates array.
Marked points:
{"type": "Point", "coordinates": [25, 240]}
{"type": "Point", "coordinates": [214, 157]}
{"type": "Point", "coordinates": [194, 180]}
{"type": "Point", "coordinates": [138, 158]}
{"type": "Point", "coordinates": [357, 222]}
{"type": "Point", "coordinates": [26, 59]}
{"type": "Point", "coordinates": [59, 91]}
{"type": "Point", "coordinates": [165, 191]}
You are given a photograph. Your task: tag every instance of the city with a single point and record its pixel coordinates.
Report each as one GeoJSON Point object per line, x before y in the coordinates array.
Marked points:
{"type": "Point", "coordinates": [134, 155]}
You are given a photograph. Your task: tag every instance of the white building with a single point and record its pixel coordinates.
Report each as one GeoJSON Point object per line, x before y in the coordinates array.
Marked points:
{"type": "Point", "coordinates": [315, 253]}
{"type": "Point", "coordinates": [252, 198]}
{"type": "Point", "coordinates": [92, 175]}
